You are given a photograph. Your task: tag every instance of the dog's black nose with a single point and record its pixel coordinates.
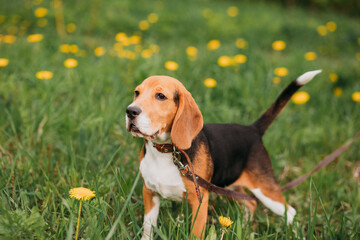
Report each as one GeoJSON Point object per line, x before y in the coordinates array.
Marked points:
{"type": "Point", "coordinates": [132, 112]}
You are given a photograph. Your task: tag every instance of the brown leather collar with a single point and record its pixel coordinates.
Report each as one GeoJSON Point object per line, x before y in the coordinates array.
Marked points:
{"type": "Point", "coordinates": [164, 148]}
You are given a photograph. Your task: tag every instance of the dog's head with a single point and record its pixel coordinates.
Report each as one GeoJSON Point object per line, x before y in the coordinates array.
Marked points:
{"type": "Point", "coordinates": [163, 110]}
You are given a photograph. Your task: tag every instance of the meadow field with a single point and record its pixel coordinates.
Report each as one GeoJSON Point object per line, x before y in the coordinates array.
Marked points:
{"type": "Point", "coordinates": [67, 73]}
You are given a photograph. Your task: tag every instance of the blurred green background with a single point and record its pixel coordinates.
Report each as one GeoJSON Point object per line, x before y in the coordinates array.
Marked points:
{"type": "Point", "coordinates": [67, 73]}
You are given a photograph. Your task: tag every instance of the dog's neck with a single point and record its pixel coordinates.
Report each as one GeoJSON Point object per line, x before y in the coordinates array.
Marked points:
{"type": "Point", "coordinates": [162, 143]}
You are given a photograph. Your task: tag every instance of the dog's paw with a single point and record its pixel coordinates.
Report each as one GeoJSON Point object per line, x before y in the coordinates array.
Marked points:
{"type": "Point", "coordinates": [291, 212]}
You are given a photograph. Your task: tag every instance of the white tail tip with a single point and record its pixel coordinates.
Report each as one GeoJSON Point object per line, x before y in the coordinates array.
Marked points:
{"type": "Point", "coordinates": [307, 77]}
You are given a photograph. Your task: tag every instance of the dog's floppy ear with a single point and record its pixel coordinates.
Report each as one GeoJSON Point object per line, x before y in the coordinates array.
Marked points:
{"type": "Point", "coordinates": [188, 120]}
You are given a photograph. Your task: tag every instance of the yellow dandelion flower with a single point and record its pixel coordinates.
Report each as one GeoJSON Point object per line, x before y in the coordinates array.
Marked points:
{"type": "Point", "coordinates": [9, 39]}
{"type": "Point", "coordinates": [233, 11]}
{"type": "Point", "coordinates": [144, 25]}
{"type": "Point", "coordinates": [40, 12]}
{"type": "Point", "coordinates": [281, 71]}
{"type": "Point", "coordinates": [126, 42]}
{"type": "Point", "coordinates": [35, 38]}
{"type": "Point", "coordinates": [240, 58]}
{"type": "Point", "coordinates": [276, 80]}
{"type": "Point", "coordinates": [146, 53]}
{"type": "Point", "coordinates": [70, 28]}
{"type": "Point", "coordinates": [44, 75]}
{"type": "Point", "coordinates": [4, 62]}
{"type": "Point", "coordinates": [333, 77]}
{"type": "Point", "coordinates": [153, 18]}
{"type": "Point", "coordinates": [154, 48]}
{"type": "Point", "coordinates": [300, 97]}
{"type": "Point", "coordinates": [213, 44]}
{"type": "Point", "coordinates": [73, 48]}
{"type": "Point", "coordinates": [310, 56]}
{"type": "Point", "coordinates": [135, 39]}
{"type": "Point", "coordinates": [210, 82]}
{"type": "Point", "coordinates": [225, 61]}
{"type": "Point", "coordinates": [207, 13]}
{"type": "Point", "coordinates": [357, 55]}
{"type": "Point", "coordinates": [191, 51]}
{"type": "Point", "coordinates": [241, 43]}
{"type": "Point", "coordinates": [81, 193]}
{"type": "Point", "coordinates": [42, 22]}
{"type": "Point", "coordinates": [171, 65]}
{"type": "Point", "coordinates": [99, 51]}
{"type": "Point", "coordinates": [338, 92]}
{"type": "Point", "coordinates": [356, 96]}
{"type": "Point", "coordinates": [322, 30]}
{"type": "Point", "coordinates": [279, 45]}
{"type": "Point", "coordinates": [225, 221]}
{"type": "Point", "coordinates": [331, 26]}
{"type": "Point", "coordinates": [64, 48]}
{"type": "Point", "coordinates": [118, 46]}
{"type": "Point", "coordinates": [120, 37]}
{"type": "Point", "coordinates": [70, 63]}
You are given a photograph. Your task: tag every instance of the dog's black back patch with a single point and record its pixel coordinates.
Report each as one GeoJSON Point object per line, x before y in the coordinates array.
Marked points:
{"type": "Point", "coordinates": [229, 145]}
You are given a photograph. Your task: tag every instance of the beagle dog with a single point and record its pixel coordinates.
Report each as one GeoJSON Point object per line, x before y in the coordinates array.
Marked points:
{"type": "Point", "coordinates": [227, 155]}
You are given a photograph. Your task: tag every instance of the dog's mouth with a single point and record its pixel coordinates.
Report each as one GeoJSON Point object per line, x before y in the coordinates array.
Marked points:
{"type": "Point", "coordinates": [136, 132]}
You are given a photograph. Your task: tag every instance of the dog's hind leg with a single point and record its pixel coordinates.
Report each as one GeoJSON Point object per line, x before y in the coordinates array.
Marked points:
{"type": "Point", "coordinates": [259, 178]}
{"type": "Point", "coordinates": [268, 192]}
{"type": "Point", "coordinates": [275, 201]}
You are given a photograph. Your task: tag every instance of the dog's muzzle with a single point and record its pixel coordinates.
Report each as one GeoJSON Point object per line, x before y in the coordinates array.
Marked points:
{"type": "Point", "coordinates": [132, 112]}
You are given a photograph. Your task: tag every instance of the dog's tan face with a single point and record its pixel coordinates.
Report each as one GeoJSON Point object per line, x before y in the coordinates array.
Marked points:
{"type": "Point", "coordinates": [152, 112]}
{"type": "Point", "coordinates": [164, 111]}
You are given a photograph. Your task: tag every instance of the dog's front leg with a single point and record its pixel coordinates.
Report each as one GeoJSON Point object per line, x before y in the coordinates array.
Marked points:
{"type": "Point", "coordinates": [199, 214]}
{"type": "Point", "coordinates": [152, 205]}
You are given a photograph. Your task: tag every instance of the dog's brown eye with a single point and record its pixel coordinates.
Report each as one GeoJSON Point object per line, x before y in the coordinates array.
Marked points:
{"type": "Point", "coordinates": [137, 93]}
{"type": "Point", "coordinates": [160, 96]}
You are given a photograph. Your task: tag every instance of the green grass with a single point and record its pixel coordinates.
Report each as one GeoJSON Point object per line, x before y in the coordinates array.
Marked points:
{"type": "Point", "coordinates": [69, 131]}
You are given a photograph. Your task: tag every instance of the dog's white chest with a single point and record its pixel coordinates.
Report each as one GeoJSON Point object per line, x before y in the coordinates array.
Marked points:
{"type": "Point", "coordinates": [161, 175]}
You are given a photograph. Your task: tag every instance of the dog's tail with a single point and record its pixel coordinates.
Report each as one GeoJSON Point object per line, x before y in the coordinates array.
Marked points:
{"type": "Point", "coordinates": [269, 115]}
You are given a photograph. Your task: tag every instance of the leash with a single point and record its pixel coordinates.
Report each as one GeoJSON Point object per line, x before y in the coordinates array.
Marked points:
{"type": "Point", "coordinates": [211, 187]}
{"type": "Point", "coordinates": [188, 171]}
{"type": "Point", "coordinates": [328, 159]}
